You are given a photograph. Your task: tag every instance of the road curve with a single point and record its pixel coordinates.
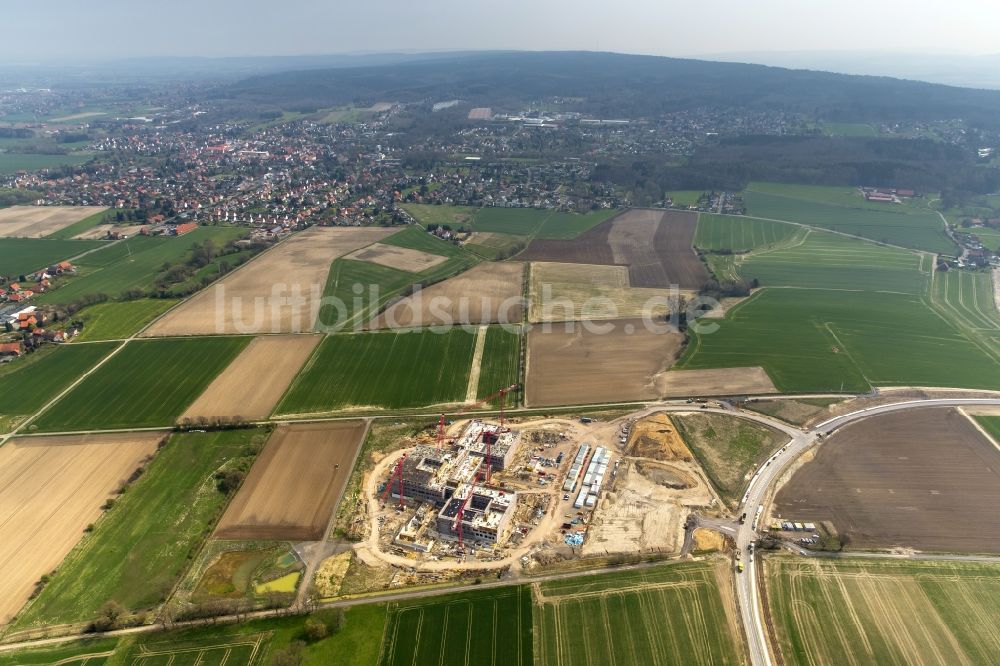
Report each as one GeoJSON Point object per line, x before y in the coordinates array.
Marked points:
{"type": "Point", "coordinates": [758, 495]}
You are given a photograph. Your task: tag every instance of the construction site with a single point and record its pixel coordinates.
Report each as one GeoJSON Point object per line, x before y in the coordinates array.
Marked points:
{"type": "Point", "coordinates": [497, 494]}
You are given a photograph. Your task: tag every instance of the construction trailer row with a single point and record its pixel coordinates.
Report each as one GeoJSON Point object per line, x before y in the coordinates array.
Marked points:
{"type": "Point", "coordinates": [593, 479]}
{"type": "Point", "coordinates": [576, 468]}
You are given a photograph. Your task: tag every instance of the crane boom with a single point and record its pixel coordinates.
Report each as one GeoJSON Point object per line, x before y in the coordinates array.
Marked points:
{"type": "Point", "coordinates": [397, 473]}
{"type": "Point", "coordinates": [502, 394]}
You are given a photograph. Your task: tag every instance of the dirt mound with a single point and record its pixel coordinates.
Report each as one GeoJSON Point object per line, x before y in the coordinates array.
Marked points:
{"type": "Point", "coordinates": [657, 438]}
{"type": "Point", "coordinates": [668, 477]}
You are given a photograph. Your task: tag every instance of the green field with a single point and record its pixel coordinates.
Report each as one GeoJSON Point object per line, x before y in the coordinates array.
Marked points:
{"type": "Point", "coordinates": [841, 312]}
{"type": "Point", "coordinates": [383, 369]}
{"type": "Point", "coordinates": [83, 225]}
{"type": "Point", "coordinates": [884, 612]}
{"type": "Point", "coordinates": [843, 209]}
{"type": "Point", "coordinates": [20, 256]}
{"type": "Point", "coordinates": [114, 320]}
{"type": "Point", "coordinates": [685, 197]}
{"type": "Point", "coordinates": [965, 298]}
{"type": "Point", "coordinates": [253, 643]}
{"type": "Point", "coordinates": [133, 263]}
{"type": "Point", "coordinates": [346, 274]}
{"type": "Point", "coordinates": [673, 614]}
{"type": "Point", "coordinates": [90, 652]}
{"type": "Point", "coordinates": [728, 448]}
{"type": "Point", "coordinates": [148, 383]}
{"type": "Point", "coordinates": [453, 216]}
{"type": "Point", "coordinates": [500, 363]}
{"type": "Point", "coordinates": [849, 129]}
{"type": "Point", "coordinates": [825, 340]}
{"type": "Point", "coordinates": [741, 234]}
{"type": "Point", "coordinates": [514, 221]}
{"type": "Point", "coordinates": [991, 424]}
{"type": "Point", "coordinates": [27, 383]}
{"type": "Point", "coordinates": [495, 245]}
{"type": "Point", "coordinates": [531, 222]}
{"type": "Point", "coordinates": [821, 260]}
{"type": "Point", "coordinates": [130, 557]}
{"type": "Point", "coordinates": [489, 627]}
{"type": "Point", "coordinates": [14, 162]}
{"type": "Point", "coordinates": [989, 237]}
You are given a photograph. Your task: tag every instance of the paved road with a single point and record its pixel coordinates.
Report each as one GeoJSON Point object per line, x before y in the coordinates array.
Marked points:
{"type": "Point", "coordinates": [758, 493]}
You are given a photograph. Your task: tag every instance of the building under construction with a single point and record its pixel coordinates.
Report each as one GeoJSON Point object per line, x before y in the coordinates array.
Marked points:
{"type": "Point", "coordinates": [445, 477]}
{"type": "Point", "coordinates": [484, 518]}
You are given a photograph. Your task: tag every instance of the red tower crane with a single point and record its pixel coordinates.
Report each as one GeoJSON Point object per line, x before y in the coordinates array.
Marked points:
{"type": "Point", "coordinates": [397, 473]}
{"type": "Point", "coordinates": [502, 394]}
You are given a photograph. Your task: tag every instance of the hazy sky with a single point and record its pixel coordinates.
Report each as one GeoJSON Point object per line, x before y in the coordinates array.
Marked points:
{"type": "Point", "coordinates": [102, 29]}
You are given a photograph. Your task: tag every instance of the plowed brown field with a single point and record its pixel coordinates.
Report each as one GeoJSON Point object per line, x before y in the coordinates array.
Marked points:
{"type": "Point", "coordinates": [721, 381]}
{"type": "Point", "coordinates": [656, 245]}
{"type": "Point", "coordinates": [924, 479]}
{"type": "Point", "coordinates": [253, 383]}
{"type": "Point", "coordinates": [583, 366]}
{"type": "Point", "coordinates": [485, 294]}
{"type": "Point", "coordinates": [51, 488]}
{"type": "Point", "coordinates": [295, 484]}
{"type": "Point", "coordinates": [39, 221]}
{"type": "Point", "coordinates": [278, 292]}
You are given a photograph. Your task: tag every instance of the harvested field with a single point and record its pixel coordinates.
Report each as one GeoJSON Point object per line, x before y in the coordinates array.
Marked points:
{"type": "Point", "coordinates": [101, 231]}
{"type": "Point", "coordinates": [402, 258]}
{"type": "Point", "coordinates": [571, 292]}
{"type": "Point", "coordinates": [723, 381]}
{"type": "Point", "coordinates": [255, 298]}
{"type": "Point", "coordinates": [295, 484]}
{"type": "Point", "coordinates": [487, 293]}
{"type": "Point", "coordinates": [656, 437]}
{"type": "Point", "coordinates": [655, 245]}
{"type": "Point", "coordinates": [254, 382]}
{"type": "Point", "coordinates": [866, 611]}
{"type": "Point", "coordinates": [40, 221]}
{"type": "Point", "coordinates": [925, 479]}
{"type": "Point", "coordinates": [51, 488]}
{"type": "Point", "coordinates": [583, 365]}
